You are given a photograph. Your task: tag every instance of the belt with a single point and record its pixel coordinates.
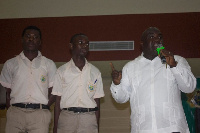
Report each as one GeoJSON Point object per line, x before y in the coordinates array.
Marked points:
{"type": "Point", "coordinates": [81, 110]}
{"type": "Point", "coordinates": [31, 106]}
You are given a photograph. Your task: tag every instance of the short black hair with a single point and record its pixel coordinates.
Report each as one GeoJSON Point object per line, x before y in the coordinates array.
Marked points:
{"type": "Point", "coordinates": [147, 31]}
{"type": "Point", "coordinates": [76, 35]}
{"type": "Point", "coordinates": [32, 28]}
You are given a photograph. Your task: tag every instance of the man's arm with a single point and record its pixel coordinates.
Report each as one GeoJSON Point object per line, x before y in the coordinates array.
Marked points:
{"type": "Point", "coordinates": [51, 97]}
{"type": "Point", "coordinates": [119, 94]}
{"type": "Point", "coordinates": [57, 111]}
{"type": "Point", "coordinates": [8, 91]}
{"type": "Point", "coordinates": [51, 74]}
{"type": "Point", "coordinates": [6, 79]}
{"type": "Point", "coordinates": [181, 70]}
{"type": "Point", "coordinates": [98, 111]}
{"type": "Point", "coordinates": [183, 75]}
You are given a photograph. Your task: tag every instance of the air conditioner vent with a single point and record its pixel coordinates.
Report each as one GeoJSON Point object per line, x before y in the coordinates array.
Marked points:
{"type": "Point", "coordinates": [111, 45]}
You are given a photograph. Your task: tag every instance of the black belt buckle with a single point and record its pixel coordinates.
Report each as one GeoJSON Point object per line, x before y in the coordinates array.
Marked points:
{"type": "Point", "coordinates": [77, 110]}
{"type": "Point", "coordinates": [32, 106]}
{"type": "Point", "coordinates": [45, 107]}
{"type": "Point", "coordinates": [26, 105]}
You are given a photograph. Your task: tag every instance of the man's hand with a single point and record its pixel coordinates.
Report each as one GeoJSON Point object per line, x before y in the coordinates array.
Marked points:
{"type": "Point", "coordinates": [116, 75]}
{"type": "Point", "coordinates": [169, 57]}
{"type": "Point", "coordinates": [8, 91]}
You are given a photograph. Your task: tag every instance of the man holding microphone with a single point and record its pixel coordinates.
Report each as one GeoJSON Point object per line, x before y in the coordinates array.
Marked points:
{"type": "Point", "coordinates": [154, 87]}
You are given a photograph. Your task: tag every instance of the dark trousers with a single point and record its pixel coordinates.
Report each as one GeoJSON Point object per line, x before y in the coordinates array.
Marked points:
{"type": "Point", "coordinates": [197, 119]}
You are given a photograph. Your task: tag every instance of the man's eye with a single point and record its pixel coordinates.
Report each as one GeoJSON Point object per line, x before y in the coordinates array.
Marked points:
{"type": "Point", "coordinates": [35, 37]}
{"type": "Point", "coordinates": [151, 37]}
{"type": "Point", "coordinates": [27, 35]}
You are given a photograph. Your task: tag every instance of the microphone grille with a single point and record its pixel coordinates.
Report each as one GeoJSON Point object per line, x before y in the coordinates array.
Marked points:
{"type": "Point", "coordinates": [160, 45]}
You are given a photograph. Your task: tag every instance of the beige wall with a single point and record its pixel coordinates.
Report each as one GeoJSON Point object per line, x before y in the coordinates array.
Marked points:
{"type": "Point", "coordinates": [60, 8]}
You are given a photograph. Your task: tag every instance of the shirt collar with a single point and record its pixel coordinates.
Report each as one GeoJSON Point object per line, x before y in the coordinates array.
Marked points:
{"type": "Point", "coordinates": [143, 59]}
{"type": "Point", "coordinates": [24, 57]}
{"type": "Point", "coordinates": [75, 67]}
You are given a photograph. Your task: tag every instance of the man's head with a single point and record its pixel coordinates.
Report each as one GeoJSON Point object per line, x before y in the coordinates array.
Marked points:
{"type": "Point", "coordinates": [150, 39]}
{"type": "Point", "coordinates": [31, 38]}
{"type": "Point", "coordinates": [79, 44]}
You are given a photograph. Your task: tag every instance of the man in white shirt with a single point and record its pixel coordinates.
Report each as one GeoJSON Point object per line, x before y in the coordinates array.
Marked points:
{"type": "Point", "coordinates": [153, 88]}
{"type": "Point", "coordinates": [78, 88]}
{"type": "Point", "coordinates": [28, 79]}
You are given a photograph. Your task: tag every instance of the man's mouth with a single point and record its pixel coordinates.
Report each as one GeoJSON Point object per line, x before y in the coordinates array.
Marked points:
{"type": "Point", "coordinates": [156, 45]}
{"type": "Point", "coordinates": [84, 50]}
{"type": "Point", "coordinates": [30, 44]}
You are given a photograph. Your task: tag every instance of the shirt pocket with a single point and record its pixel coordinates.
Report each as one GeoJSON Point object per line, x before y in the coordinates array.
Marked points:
{"type": "Point", "coordinates": [67, 82]}
{"type": "Point", "coordinates": [91, 88]}
{"type": "Point", "coordinates": [41, 76]}
{"type": "Point", "coordinates": [171, 112]}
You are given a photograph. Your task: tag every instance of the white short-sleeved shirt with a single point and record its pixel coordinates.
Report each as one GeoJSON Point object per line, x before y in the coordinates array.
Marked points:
{"type": "Point", "coordinates": [78, 88]}
{"type": "Point", "coordinates": [28, 80]}
{"type": "Point", "coordinates": [154, 92]}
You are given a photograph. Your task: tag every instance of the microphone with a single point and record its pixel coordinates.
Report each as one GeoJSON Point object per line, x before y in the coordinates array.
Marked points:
{"type": "Point", "coordinates": [163, 59]}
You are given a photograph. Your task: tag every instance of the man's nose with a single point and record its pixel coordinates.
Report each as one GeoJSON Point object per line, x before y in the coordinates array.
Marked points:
{"type": "Point", "coordinates": [158, 40]}
{"type": "Point", "coordinates": [31, 38]}
{"type": "Point", "coordinates": [85, 45]}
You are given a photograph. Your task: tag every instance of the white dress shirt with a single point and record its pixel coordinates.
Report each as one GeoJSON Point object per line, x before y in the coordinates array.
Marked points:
{"type": "Point", "coordinates": [78, 88]}
{"type": "Point", "coordinates": [154, 92]}
{"type": "Point", "coordinates": [28, 80]}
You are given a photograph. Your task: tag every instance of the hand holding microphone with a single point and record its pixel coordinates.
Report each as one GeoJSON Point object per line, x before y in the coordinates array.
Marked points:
{"type": "Point", "coordinates": [166, 56]}
{"type": "Point", "coordinates": [159, 48]}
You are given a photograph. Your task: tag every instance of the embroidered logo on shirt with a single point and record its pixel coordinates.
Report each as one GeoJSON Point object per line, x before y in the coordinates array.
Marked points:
{"type": "Point", "coordinates": [43, 79]}
{"type": "Point", "coordinates": [91, 86]}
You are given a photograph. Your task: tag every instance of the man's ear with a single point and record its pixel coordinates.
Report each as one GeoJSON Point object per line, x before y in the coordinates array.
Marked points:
{"type": "Point", "coordinates": [70, 46]}
{"type": "Point", "coordinates": [141, 43]}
